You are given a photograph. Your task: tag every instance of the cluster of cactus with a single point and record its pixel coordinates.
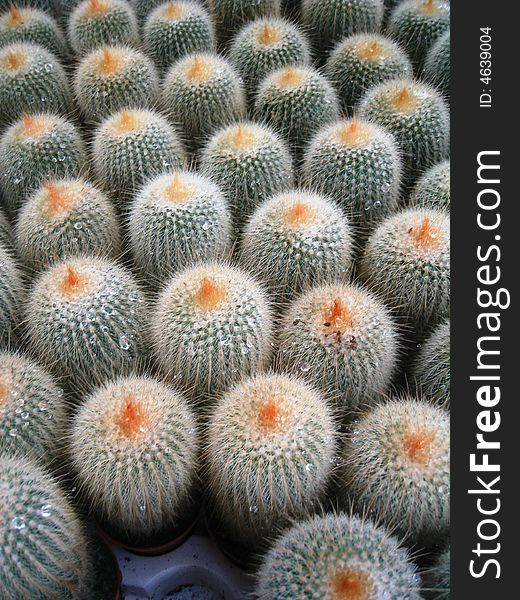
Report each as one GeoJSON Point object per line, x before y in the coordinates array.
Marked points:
{"type": "Point", "coordinates": [224, 262]}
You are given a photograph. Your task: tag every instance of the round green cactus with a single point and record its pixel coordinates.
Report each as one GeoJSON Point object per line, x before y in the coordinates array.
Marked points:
{"type": "Point", "coordinates": [231, 15]}
{"type": "Point", "coordinates": [175, 29]}
{"type": "Point", "coordinates": [357, 163]}
{"type": "Point", "coordinates": [45, 552]}
{"type": "Point", "coordinates": [329, 21]}
{"type": "Point", "coordinates": [33, 413]}
{"type": "Point", "coordinates": [132, 146]}
{"type": "Point", "coordinates": [297, 101]}
{"type": "Point", "coordinates": [417, 116]}
{"type": "Point", "coordinates": [407, 262]}
{"type": "Point", "coordinates": [437, 66]}
{"type": "Point", "coordinates": [337, 557]}
{"type": "Point", "coordinates": [212, 325]}
{"type": "Point", "coordinates": [432, 366]}
{"type": "Point", "coordinates": [397, 466]}
{"type": "Point", "coordinates": [49, 6]}
{"type": "Point", "coordinates": [362, 61]}
{"type": "Point", "coordinates": [111, 78]}
{"type": "Point", "coordinates": [436, 579]}
{"type": "Point", "coordinates": [176, 221]}
{"type": "Point", "coordinates": [35, 149]}
{"type": "Point", "coordinates": [260, 477]}
{"type": "Point", "coordinates": [87, 318]}
{"type": "Point", "coordinates": [343, 340]}
{"type": "Point", "coordinates": [250, 163]}
{"type": "Point", "coordinates": [297, 240]}
{"type": "Point", "coordinates": [202, 92]}
{"type": "Point", "coordinates": [265, 45]}
{"type": "Point", "coordinates": [32, 26]}
{"type": "Point", "coordinates": [64, 218]}
{"type": "Point", "coordinates": [31, 80]}
{"type": "Point", "coordinates": [143, 8]}
{"type": "Point", "coordinates": [134, 447]}
{"type": "Point", "coordinates": [95, 23]}
{"type": "Point", "coordinates": [417, 24]}
{"type": "Point", "coordinates": [11, 288]}
{"type": "Point", "coordinates": [433, 189]}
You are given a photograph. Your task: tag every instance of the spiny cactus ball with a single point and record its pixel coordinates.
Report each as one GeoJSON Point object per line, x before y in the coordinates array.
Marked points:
{"type": "Point", "coordinates": [35, 149]}
{"type": "Point", "coordinates": [64, 218]}
{"type": "Point", "coordinates": [437, 66]}
{"type": "Point", "coordinates": [132, 146]}
{"type": "Point", "coordinates": [250, 162]}
{"type": "Point", "coordinates": [433, 189]}
{"type": "Point", "coordinates": [432, 366]}
{"type": "Point", "coordinates": [175, 29]}
{"type": "Point", "coordinates": [31, 80]}
{"type": "Point", "coordinates": [337, 557]}
{"type": "Point", "coordinates": [342, 339]}
{"type": "Point", "coordinates": [44, 547]}
{"type": "Point", "coordinates": [21, 24]}
{"type": "Point", "coordinates": [94, 23]}
{"type": "Point", "coordinates": [11, 288]}
{"type": "Point", "coordinates": [33, 412]}
{"type": "Point", "coordinates": [266, 45]}
{"type": "Point", "coordinates": [111, 78]}
{"type": "Point", "coordinates": [417, 116]}
{"type": "Point", "coordinates": [177, 220]}
{"type": "Point", "coordinates": [297, 240]}
{"type": "Point", "coordinates": [271, 442]}
{"type": "Point", "coordinates": [397, 466]}
{"type": "Point", "coordinates": [211, 326]}
{"type": "Point", "coordinates": [86, 319]}
{"type": "Point", "coordinates": [407, 262]}
{"type": "Point", "coordinates": [202, 92]}
{"type": "Point", "coordinates": [361, 61]}
{"type": "Point", "coordinates": [134, 447]}
{"type": "Point", "coordinates": [297, 101]}
{"type": "Point", "coordinates": [357, 163]}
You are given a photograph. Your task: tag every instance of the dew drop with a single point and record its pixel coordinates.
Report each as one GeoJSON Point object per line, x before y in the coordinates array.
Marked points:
{"type": "Point", "coordinates": [46, 510]}
{"type": "Point", "coordinates": [18, 523]}
{"type": "Point", "coordinates": [124, 343]}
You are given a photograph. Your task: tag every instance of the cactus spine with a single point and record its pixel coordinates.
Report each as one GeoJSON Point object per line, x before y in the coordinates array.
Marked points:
{"type": "Point", "coordinates": [259, 476]}
{"type": "Point", "coordinates": [433, 188]}
{"type": "Point", "coordinates": [436, 579]}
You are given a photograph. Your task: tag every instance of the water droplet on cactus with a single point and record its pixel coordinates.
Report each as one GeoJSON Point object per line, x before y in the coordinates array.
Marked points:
{"type": "Point", "coordinates": [18, 523]}
{"type": "Point", "coordinates": [124, 342]}
{"type": "Point", "coordinates": [253, 509]}
{"type": "Point", "coordinates": [305, 367]}
{"type": "Point", "coordinates": [46, 510]}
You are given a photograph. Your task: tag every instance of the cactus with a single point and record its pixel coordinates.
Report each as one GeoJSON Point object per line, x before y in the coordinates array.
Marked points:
{"type": "Point", "coordinates": [337, 556]}
{"type": "Point", "coordinates": [212, 325]}
{"type": "Point", "coordinates": [436, 579]}
{"type": "Point", "coordinates": [45, 552]}
{"type": "Point", "coordinates": [31, 80]}
{"type": "Point", "coordinates": [33, 412]}
{"type": "Point", "coordinates": [433, 188]}
{"type": "Point", "coordinates": [11, 288]}
{"type": "Point", "coordinates": [132, 146]}
{"type": "Point", "coordinates": [297, 240]}
{"type": "Point", "coordinates": [417, 24]}
{"type": "Point", "coordinates": [111, 78]}
{"type": "Point", "coordinates": [175, 29]}
{"type": "Point", "coordinates": [397, 466]}
{"type": "Point", "coordinates": [49, 6]}
{"type": "Point", "coordinates": [432, 366]}
{"type": "Point", "coordinates": [437, 66]}
{"type": "Point", "coordinates": [177, 220]}
{"type": "Point", "coordinates": [143, 8]}
{"type": "Point", "coordinates": [6, 233]}
{"type": "Point", "coordinates": [86, 317]}
{"type": "Point", "coordinates": [259, 477]}
{"type": "Point", "coordinates": [202, 92]}
{"type": "Point", "coordinates": [407, 262]}
{"type": "Point", "coordinates": [343, 340]}
{"type": "Point", "coordinates": [95, 23]}
{"type": "Point", "coordinates": [134, 447]}
{"type": "Point", "coordinates": [359, 165]}
{"type": "Point", "coordinates": [35, 149]}
{"type": "Point", "coordinates": [297, 101]}
{"type": "Point", "coordinates": [65, 218]}
{"type": "Point", "coordinates": [362, 61]}
{"type": "Point", "coordinates": [231, 15]}
{"type": "Point", "coordinates": [329, 21]}
{"type": "Point", "coordinates": [33, 26]}
{"type": "Point", "coordinates": [266, 45]}
{"type": "Point", "coordinates": [250, 162]}
{"type": "Point", "coordinates": [417, 116]}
